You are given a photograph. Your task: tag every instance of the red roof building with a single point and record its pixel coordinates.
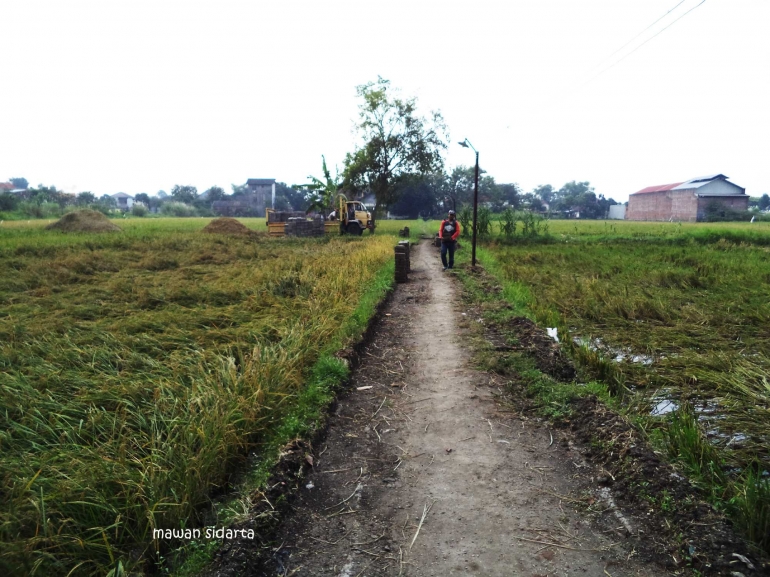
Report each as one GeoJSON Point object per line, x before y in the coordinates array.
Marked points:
{"type": "Point", "coordinates": [686, 201]}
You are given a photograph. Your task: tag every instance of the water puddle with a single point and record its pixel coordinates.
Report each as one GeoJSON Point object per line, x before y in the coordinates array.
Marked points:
{"type": "Point", "coordinates": [663, 407]}
{"type": "Point", "coordinates": [618, 354]}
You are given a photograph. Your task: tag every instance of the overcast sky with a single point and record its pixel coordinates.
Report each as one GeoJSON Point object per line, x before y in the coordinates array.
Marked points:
{"type": "Point", "coordinates": [137, 96]}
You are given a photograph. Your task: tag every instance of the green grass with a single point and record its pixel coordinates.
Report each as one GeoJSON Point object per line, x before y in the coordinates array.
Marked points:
{"type": "Point", "coordinates": [690, 298]}
{"type": "Point", "coordinates": [137, 369]}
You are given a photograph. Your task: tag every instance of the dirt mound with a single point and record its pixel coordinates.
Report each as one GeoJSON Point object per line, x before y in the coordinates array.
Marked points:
{"type": "Point", "coordinates": [84, 221]}
{"type": "Point", "coordinates": [225, 225]}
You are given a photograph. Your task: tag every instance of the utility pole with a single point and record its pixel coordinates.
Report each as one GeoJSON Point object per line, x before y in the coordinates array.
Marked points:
{"type": "Point", "coordinates": [467, 144]}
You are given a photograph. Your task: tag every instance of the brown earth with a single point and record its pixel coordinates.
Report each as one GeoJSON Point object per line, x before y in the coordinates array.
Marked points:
{"type": "Point", "coordinates": [226, 225]}
{"type": "Point", "coordinates": [84, 221]}
{"type": "Point", "coordinates": [426, 469]}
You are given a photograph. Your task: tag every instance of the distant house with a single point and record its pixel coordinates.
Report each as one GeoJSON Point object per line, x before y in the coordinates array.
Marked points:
{"type": "Point", "coordinates": [6, 187]}
{"type": "Point", "coordinates": [685, 200]}
{"type": "Point", "coordinates": [125, 201]}
{"type": "Point", "coordinates": [262, 192]}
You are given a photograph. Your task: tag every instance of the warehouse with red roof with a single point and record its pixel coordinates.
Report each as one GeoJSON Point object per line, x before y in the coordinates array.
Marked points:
{"type": "Point", "coordinates": [686, 201]}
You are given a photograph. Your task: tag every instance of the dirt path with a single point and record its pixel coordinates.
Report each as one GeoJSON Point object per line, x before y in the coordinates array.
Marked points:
{"type": "Point", "coordinates": [428, 432]}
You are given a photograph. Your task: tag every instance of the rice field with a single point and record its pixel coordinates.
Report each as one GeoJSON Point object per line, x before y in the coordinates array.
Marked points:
{"type": "Point", "coordinates": [676, 320]}
{"type": "Point", "coordinates": [139, 368]}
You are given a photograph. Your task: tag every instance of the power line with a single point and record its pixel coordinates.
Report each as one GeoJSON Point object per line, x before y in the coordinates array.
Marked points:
{"type": "Point", "coordinates": [646, 41]}
{"type": "Point", "coordinates": [638, 35]}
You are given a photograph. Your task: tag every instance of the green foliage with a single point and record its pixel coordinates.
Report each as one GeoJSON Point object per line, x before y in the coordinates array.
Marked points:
{"type": "Point", "coordinates": [320, 193]}
{"type": "Point", "coordinates": [8, 202]}
{"type": "Point", "coordinates": [719, 212]}
{"type": "Point", "coordinates": [764, 202]}
{"type": "Point", "coordinates": [508, 223]}
{"type": "Point", "coordinates": [173, 208]}
{"type": "Point", "coordinates": [214, 193]}
{"type": "Point", "coordinates": [395, 141]}
{"type": "Point", "coordinates": [578, 196]}
{"type": "Point", "coordinates": [85, 199]}
{"type": "Point", "coordinates": [139, 210]}
{"type": "Point", "coordinates": [19, 182]}
{"type": "Point", "coordinates": [533, 224]}
{"type": "Point", "coordinates": [144, 198]}
{"type": "Point", "coordinates": [655, 307]}
{"type": "Point", "coordinates": [465, 216]}
{"type": "Point", "coordinates": [484, 222]}
{"type": "Point", "coordinates": [184, 193]}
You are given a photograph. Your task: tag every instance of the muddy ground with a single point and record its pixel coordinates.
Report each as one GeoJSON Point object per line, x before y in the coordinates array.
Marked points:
{"type": "Point", "coordinates": [428, 466]}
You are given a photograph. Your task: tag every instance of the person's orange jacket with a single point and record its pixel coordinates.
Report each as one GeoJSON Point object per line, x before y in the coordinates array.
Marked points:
{"type": "Point", "coordinates": [456, 232]}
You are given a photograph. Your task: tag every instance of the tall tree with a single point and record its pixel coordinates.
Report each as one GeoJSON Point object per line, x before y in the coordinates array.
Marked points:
{"type": "Point", "coordinates": [295, 198]}
{"type": "Point", "coordinates": [85, 198]}
{"type": "Point", "coordinates": [510, 193]}
{"type": "Point", "coordinates": [417, 196]}
{"type": "Point", "coordinates": [764, 202]}
{"type": "Point", "coordinates": [184, 193]}
{"type": "Point", "coordinates": [19, 182]}
{"type": "Point", "coordinates": [144, 198]}
{"type": "Point", "coordinates": [545, 192]}
{"type": "Point", "coordinates": [461, 184]}
{"type": "Point", "coordinates": [395, 140]}
{"type": "Point", "coordinates": [215, 193]}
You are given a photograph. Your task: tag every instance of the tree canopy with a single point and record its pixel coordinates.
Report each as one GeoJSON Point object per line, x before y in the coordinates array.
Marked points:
{"type": "Point", "coordinates": [19, 182]}
{"type": "Point", "coordinates": [184, 193]}
{"type": "Point", "coordinates": [395, 141]}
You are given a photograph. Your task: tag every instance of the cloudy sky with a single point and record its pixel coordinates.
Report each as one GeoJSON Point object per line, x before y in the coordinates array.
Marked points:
{"type": "Point", "coordinates": [138, 96]}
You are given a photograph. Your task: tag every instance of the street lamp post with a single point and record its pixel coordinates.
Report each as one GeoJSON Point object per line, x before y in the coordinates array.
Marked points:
{"type": "Point", "coordinates": [467, 144]}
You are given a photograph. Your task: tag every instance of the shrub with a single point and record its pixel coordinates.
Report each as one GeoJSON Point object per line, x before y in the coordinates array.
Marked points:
{"type": "Point", "coordinates": [465, 216]}
{"type": "Point", "coordinates": [508, 223]}
{"type": "Point", "coordinates": [484, 221]}
{"type": "Point", "coordinates": [32, 209]}
{"type": "Point", "coordinates": [139, 210]}
{"type": "Point", "coordinates": [8, 202]}
{"type": "Point", "coordinates": [174, 208]}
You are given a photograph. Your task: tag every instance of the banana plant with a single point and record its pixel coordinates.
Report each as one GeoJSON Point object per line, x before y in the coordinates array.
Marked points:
{"type": "Point", "coordinates": [320, 193]}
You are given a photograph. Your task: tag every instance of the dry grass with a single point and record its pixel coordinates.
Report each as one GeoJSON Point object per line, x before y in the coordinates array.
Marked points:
{"type": "Point", "coordinates": [137, 370]}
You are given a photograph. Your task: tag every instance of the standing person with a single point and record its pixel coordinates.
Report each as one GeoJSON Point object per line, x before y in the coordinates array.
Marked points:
{"type": "Point", "coordinates": [449, 231]}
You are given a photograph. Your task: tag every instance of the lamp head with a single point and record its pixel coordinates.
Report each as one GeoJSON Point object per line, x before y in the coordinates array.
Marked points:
{"type": "Point", "coordinates": [463, 144]}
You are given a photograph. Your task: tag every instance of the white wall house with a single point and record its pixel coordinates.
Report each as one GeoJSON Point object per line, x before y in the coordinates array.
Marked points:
{"type": "Point", "coordinates": [125, 201]}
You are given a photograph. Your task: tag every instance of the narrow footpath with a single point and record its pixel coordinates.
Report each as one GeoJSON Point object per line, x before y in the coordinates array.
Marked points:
{"type": "Point", "coordinates": [424, 473]}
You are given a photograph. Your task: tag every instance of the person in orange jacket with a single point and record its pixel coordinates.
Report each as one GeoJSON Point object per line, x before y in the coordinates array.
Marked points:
{"type": "Point", "coordinates": [449, 231]}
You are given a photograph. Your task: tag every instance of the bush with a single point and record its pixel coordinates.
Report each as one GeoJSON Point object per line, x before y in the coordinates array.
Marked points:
{"type": "Point", "coordinates": [139, 210]}
{"type": "Point", "coordinates": [174, 208]}
{"type": "Point", "coordinates": [8, 202]}
{"type": "Point", "coordinates": [32, 209]}
{"type": "Point", "coordinates": [719, 212]}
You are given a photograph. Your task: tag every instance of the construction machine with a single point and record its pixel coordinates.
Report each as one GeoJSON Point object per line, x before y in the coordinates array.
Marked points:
{"type": "Point", "coordinates": [353, 216]}
{"type": "Point", "coordinates": [350, 217]}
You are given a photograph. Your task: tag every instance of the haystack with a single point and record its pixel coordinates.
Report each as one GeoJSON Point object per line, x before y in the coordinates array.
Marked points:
{"type": "Point", "coordinates": [225, 225]}
{"type": "Point", "coordinates": [84, 221]}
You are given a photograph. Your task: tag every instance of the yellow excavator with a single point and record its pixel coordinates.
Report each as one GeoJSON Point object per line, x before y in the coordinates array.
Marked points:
{"type": "Point", "coordinates": [348, 217]}
{"type": "Point", "coordinates": [353, 216]}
